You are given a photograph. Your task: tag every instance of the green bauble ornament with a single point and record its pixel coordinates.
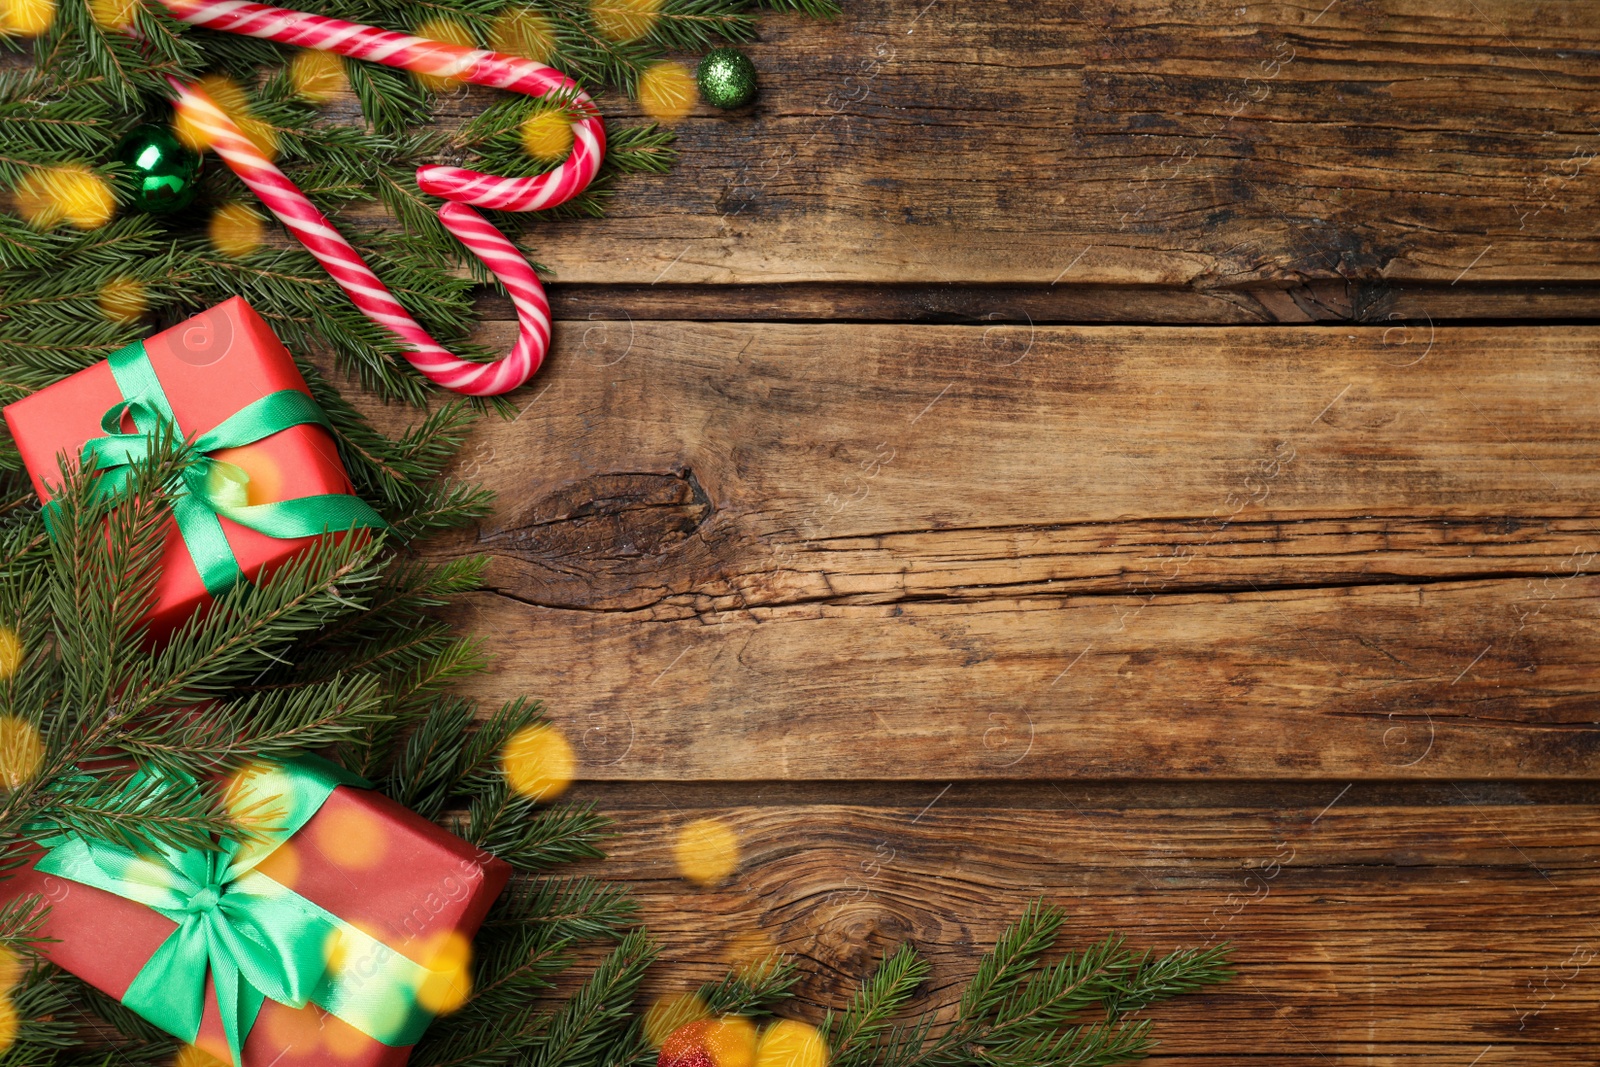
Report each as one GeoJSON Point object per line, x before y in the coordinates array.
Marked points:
{"type": "Point", "coordinates": [727, 78]}
{"type": "Point", "coordinates": [163, 171]}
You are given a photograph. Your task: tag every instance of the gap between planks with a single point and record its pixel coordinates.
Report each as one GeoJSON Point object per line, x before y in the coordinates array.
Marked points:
{"type": "Point", "coordinates": [921, 798]}
{"type": "Point", "coordinates": [1285, 303]}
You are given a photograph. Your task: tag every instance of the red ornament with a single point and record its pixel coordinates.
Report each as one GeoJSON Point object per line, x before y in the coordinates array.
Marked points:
{"type": "Point", "coordinates": [725, 1042]}
{"type": "Point", "coordinates": [698, 1057]}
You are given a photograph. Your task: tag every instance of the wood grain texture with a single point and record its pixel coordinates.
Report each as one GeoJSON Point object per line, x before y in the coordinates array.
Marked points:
{"type": "Point", "coordinates": [826, 522]}
{"type": "Point", "coordinates": [749, 552]}
{"type": "Point", "coordinates": [1180, 143]}
{"type": "Point", "coordinates": [1365, 931]}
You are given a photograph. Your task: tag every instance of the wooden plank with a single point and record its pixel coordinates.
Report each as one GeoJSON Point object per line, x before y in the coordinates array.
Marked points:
{"type": "Point", "coordinates": [1365, 932]}
{"type": "Point", "coordinates": [1158, 143]}
{"type": "Point", "coordinates": [1088, 552]}
{"type": "Point", "coordinates": [1368, 683]}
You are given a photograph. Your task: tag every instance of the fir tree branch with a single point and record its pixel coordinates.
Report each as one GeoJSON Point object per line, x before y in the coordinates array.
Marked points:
{"type": "Point", "coordinates": [879, 999]}
{"type": "Point", "coordinates": [576, 1034]}
{"type": "Point", "coordinates": [342, 649]}
{"type": "Point", "coordinates": [752, 989]}
{"type": "Point", "coordinates": [1018, 1010]}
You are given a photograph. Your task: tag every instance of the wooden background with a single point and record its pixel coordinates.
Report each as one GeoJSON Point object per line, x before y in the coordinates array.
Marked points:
{"type": "Point", "coordinates": [1144, 454]}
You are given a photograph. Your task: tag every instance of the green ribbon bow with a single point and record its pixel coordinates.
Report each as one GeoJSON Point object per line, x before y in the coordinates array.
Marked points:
{"type": "Point", "coordinates": [256, 938]}
{"type": "Point", "coordinates": [209, 487]}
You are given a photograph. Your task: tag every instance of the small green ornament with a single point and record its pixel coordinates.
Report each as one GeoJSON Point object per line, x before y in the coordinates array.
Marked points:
{"type": "Point", "coordinates": [163, 171]}
{"type": "Point", "coordinates": [727, 78]}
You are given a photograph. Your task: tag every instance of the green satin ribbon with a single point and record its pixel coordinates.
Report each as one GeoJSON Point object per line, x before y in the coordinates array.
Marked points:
{"type": "Point", "coordinates": [255, 937]}
{"type": "Point", "coordinates": [209, 488]}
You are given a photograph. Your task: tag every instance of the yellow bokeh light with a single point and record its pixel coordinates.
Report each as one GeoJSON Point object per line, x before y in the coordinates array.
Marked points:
{"type": "Point", "coordinates": [49, 196]}
{"type": "Point", "coordinates": [231, 99]}
{"type": "Point", "coordinates": [448, 958]}
{"type": "Point", "coordinates": [752, 955]}
{"type": "Point", "coordinates": [9, 1022]}
{"type": "Point", "coordinates": [26, 18]}
{"type": "Point", "coordinates": [547, 135]}
{"type": "Point", "coordinates": [226, 93]}
{"type": "Point", "coordinates": [244, 787]}
{"type": "Point", "coordinates": [10, 968]}
{"type": "Point", "coordinates": [113, 16]}
{"type": "Point", "coordinates": [21, 751]}
{"type": "Point", "coordinates": [262, 135]}
{"type": "Point", "coordinates": [707, 851]}
{"type": "Point", "coordinates": [731, 1041]}
{"type": "Point", "coordinates": [450, 32]}
{"type": "Point", "coordinates": [124, 300]}
{"type": "Point", "coordinates": [336, 949]}
{"type": "Point", "coordinates": [625, 20]}
{"type": "Point", "coordinates": [10, 652]}
{"type": "Point", "coordinates": [344, 951]}
{"type": "Point", "coordinates": [237, 230]}
{"type": "Point", "coordinates": [267, 479]}
{"type": "Point", "coordinates": [254, 798]}
{"type": "Point", "coordinates": [667, 91]}
{"type": "Point", "coordinates": [790, 1043]}
{"type": "Point", "coordinates": [353, 838]}
{"type": "Point", "coordinates": [539, 762]}
{"type": "Point", "coordinates": [254, 801]}
{"type": "Point", "coordinates": [317, 77]}
{"type": "Point", "coordinates": [522, 31]}
{"type": "Point", "coordinates": [443, 992]}
{"type": "Point", "coordinates": [226, 482]}
{"type": "Point", "coordinates": [195, 1056]}
{"type": "Point", "coordinates": [187, 130]}
{"type": "Point", "coordinates": [340, 944]}
{"type": "Point", "coordinates": [449, 950]}
{"type": "Point", "coordinates": [154, 875]}
{"type": "Point", "coordinates": [669, 1013]}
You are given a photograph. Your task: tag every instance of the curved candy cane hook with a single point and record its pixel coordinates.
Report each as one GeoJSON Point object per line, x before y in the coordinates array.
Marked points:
{"type": "Point", "coordinates": [479, 66]}
{"type": "Point", "coordinates": [369, 294]}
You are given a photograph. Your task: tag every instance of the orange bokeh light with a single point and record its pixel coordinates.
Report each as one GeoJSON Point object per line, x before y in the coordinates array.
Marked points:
{"type": "Point", "coordinates": [352, 837]}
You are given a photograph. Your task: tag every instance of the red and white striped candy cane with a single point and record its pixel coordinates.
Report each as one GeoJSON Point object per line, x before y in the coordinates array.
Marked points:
{"type": "Point", "coordinates": [479, 66]}
{"type": "Point", "coordinates": [476, 65]}
{"type": "Point", "coordinates": [346, 266]}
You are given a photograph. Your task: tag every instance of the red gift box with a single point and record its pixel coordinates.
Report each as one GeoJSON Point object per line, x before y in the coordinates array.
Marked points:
{"type": "Point", "coordinates": [210, 366]}
{"type": "Point", "coordinates": [386, 870]}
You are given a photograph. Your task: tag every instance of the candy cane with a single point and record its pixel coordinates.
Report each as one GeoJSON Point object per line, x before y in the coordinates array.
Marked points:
{"type": "Point", "coordinates": [345, 264]}
{"type": "Point", "coordinates": [479, 66]}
